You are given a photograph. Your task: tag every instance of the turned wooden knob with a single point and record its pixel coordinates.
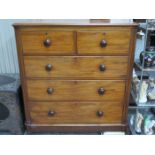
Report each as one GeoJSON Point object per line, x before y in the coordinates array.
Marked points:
{"type": "Point", "coordinates": [50, 90]}
{"type": "Point", "coordinates": [101, 91]}
{"type": "Point", "coordinates": [48, 67]}
{"type": "Point", "coordinates": [103, 43]}
{"type": "Point", "coordinates": [51, 113]}
{"type": "Point", "coordinates": [47, 42]}
{"type": "Point", "coordinates": [102, 67]}
{"type": "Point", "coordinates": [100, 113]}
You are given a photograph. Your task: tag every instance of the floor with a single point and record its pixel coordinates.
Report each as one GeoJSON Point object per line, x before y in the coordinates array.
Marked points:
{"type": "Point", "coordinates": [104, 133]}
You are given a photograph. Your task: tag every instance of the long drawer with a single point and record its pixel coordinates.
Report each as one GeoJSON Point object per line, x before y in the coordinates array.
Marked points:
{"type": "Point", "coordinates": [48, 42]}
{"type": "Point", "coordinates": [97, 67]}
{"type": "Point", "coordinates": [75, 112]}
{"type": "Point", "coordinates": [110, 42]}
{"type": "Point", "coordinates": [76, 90]}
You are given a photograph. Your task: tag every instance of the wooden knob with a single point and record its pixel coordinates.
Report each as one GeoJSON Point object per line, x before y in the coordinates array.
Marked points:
{"type": "Point", "coordinates": [100, 113]}
{"type": "Point", "coordinates": [48, 67]}
{"type": "Point", "coordinates": [101, 91]}
{"type": "Point", "coordinates": [102, 67]}
{"type": "Point", "coordinates": [103, 43]}
{"type": "Point", "coordinates": [51, 113]}
{"type": "Point", "coordinates": [50, 90]}
{"type": "Point", "coordinates": [47, 42]}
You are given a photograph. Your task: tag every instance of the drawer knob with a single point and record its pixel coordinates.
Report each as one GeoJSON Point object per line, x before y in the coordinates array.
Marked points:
{"type": "Point", "coordinates": [51, 113]}
{"type": "Point", "coordinates": [50, 90]}
{"type": "Point", "coordinates": [48, 67]}
{"type": "Point", "coordinates": [102, 67]}
{"type": "Point", "coordinates": [103, 43]}
{"type": "Point", "coordinates": [100, 113]}
{"type": "Point", "coordinates": [101, 91]}
{"type": "Point", "coordinates": [47, 42]}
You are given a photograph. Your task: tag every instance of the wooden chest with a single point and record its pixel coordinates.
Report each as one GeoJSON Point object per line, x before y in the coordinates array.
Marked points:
{"type": "Point", "coordinates": [76, 77]}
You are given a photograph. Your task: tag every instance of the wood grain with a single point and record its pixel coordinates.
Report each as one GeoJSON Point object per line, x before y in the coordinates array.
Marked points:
{"type": "Point", "coordinates": [76, 112]}
{"type": "Point", "coordinates": [62, 42]}
{"type": "Point", "coordinates": [76, 128]}
{"type": "Point", "coordinates": [130, 69]}
{"type": "Point", "coordinates": [22, 73]}
{"type": "Point", "coordinates": [86, 24]}
{"type": "Point", "coordinates": [88, 42]}
{"type": "Point", "coordinates": [76, 90]}
{"type": "Point", "coordinates": [75, 67]}
{"type": "Point", "coordinates": [75, 77]}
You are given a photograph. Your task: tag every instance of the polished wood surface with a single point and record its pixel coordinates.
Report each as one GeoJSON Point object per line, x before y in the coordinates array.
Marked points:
{"type": "Point", "coordinates": [76, 77]}
{"type": "Point", "coordinates": [76, 67]}
{"type": "Point", "coordinates": [130, 70]}
{"type": "Point", "coordinates": [76, 112]}
{"type": "Point", "coordinates": [85, 90]}
{"type": "Point", "coordinates": [117, 42]}
{"type": "Point", "coordinates": [76, 128]}
{"type": "Point", "coordinates": [60, 42]}
{"type": "Point", "coordinates": [87, 23]}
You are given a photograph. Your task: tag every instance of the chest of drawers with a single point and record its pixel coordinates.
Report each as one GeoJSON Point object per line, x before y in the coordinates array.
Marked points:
{"type": "Point", "coordinates": [75, 77]}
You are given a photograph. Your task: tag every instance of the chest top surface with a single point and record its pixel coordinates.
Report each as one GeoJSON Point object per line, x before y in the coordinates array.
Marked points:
{"type": "Point", "coordinates": [77, 23]}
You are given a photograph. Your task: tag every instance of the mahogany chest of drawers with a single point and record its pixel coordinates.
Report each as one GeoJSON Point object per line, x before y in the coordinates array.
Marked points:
{"type": "Point", "coordinates": [75, 77]}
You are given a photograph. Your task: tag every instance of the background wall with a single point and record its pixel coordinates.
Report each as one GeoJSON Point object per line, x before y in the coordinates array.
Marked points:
{"type": "Point", "coordinates": [8, 55]}
{"type": "Point", "coordinates": [8, 52]}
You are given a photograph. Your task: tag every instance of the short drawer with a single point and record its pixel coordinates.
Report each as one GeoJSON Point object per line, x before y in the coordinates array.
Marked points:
{"type": "Point", "coordinates": [75, 112]}
{"type": "Point", "coordinates": [84, 67]}
{"type": "Point", "coordinates": [76, 90]}
{"type": "Point", "coordinates": [48, 42]}
{"type": "Point", "coordinates": [114, 42]}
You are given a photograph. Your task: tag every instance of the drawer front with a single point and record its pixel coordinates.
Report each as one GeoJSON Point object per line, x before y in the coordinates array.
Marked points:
{"type": "Point", "coordinates": [76, 67]}
{"type": "Point", "coordinates": [108, 42]}
{"type": "Point", "coordinates": [75, 112]}
{"type": "Point", "coordinates": [50, 42]}
{"type": "Point", "coordinates": [74, 90]}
